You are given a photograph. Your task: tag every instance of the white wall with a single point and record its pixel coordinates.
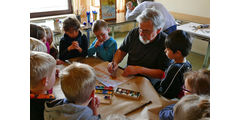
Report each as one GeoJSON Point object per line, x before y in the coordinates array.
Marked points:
{"type": "Point", "coordinates": [191, 7]}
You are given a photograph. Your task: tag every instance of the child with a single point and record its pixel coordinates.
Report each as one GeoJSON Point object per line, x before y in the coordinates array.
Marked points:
{"type": "Point", "coordinates": [178, 45]}
{"type": "Point", "coordinates": [42, 78]}
{"type": "Point", "coordinates": [74, 43]}
{"type": "Point", "coordinates": [196, 82]}
{"type": "Point", "coordinates": [53, 50]}
{"type": "Point", "coordinates": [103, 45]}
{"type": "Point", "coordinates": [78, 85]}
{"type": "Point", "coordinates": [37, 45]}
{"type": "Point", "coordinates": [49, 38]}
{"type": "Point", "coordinates": [192, 107]}
{"type": "Point", "coordinates": [40, 34]}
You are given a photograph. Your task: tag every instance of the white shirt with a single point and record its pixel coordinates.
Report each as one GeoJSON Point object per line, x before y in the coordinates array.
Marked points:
{"type": "Point", "coordinates": [132, 15]}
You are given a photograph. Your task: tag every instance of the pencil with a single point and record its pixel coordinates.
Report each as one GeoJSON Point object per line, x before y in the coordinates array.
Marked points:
{"type": "Point", "coordinates": [141, 106]}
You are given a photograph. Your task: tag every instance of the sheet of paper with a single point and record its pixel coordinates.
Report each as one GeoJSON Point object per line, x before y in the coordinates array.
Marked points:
{"type": "Point", "coordinates": [105, 77]}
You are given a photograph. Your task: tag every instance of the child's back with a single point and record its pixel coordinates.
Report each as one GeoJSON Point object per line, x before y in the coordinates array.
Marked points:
{"type": "Point", "coordinates": [171, 86]}
{"type": "Point", "coordinates": [78, 84]}
{"type": "Point", "coordinates": [178, 45]}
{"type": "Point", "coordinates": [42, 78]}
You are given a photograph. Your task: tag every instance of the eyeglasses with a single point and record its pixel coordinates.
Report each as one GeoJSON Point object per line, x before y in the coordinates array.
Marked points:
{"type": "Point", "coordinates": [145, 31]}
{"type": "Point", "coordinates": [184, 89]}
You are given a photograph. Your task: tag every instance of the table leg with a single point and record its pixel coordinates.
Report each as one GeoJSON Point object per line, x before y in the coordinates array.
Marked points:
{"type": "Point", "coordinates": [205, 62]}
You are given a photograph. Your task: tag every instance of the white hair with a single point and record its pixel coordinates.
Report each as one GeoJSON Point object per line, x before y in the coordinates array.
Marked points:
{"type": "Point", "coordinates": [37, 45]}
{"type": "Point", "coordinates": [192, 107]}
{"type": "Point", "coordinates": [41, 65]}
{"type": "Point", "coordinates": [77, 82]}
{"type": "Point", "coordinates": [154, 15]}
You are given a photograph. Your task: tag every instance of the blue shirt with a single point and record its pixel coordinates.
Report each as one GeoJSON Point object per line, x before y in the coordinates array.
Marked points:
{"type": "Point", "coordinates": [106, 51]}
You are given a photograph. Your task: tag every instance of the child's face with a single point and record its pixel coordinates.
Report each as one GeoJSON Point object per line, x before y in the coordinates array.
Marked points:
{"type": "Point", "coordinates": [169, 53]}
{"type": "Point", "coordinates": [102, 34]}
{"type": "Point", "coordinates": [72, 33]}
{"type": "Point", "coordinates": [51, 79]}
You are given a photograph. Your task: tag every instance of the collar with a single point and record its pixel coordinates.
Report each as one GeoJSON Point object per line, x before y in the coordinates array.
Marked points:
{"type": "Point", "coordinates": [41, 96]}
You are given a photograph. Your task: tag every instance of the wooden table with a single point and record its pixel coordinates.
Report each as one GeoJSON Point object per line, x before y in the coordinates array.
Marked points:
{"type": "Point", "coordinates": [120, 104]}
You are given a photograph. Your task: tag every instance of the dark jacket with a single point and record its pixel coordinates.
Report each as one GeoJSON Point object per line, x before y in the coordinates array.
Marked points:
{"type": "Point", "coordinates": [66, 41]}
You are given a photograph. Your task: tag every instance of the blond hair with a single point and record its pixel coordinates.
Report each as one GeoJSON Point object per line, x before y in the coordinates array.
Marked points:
{"type": "Point", "coordinates": [37, 45]}
{"type": "Point", "coordinates": [99, 24]}
{"type": "Point", "coordinates": [77, 82]}
{"type": "Point", "coordinates": [41, 65]}
{"type": "Point", "coordinates": [49, 33]}
{"type": "Point", "coordinates": [192, 107]}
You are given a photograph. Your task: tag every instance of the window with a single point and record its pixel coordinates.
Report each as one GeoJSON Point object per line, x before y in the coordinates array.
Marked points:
{"type": "Point", "coordinates": [41, 8]}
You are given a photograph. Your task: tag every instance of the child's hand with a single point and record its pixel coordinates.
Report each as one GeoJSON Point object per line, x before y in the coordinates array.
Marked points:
{"type": "Point", "coordinates": [98, 43]}
{"type": "Point", "coordinates": [94, 104]}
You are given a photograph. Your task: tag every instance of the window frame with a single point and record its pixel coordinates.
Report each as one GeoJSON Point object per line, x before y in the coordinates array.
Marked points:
{"type": "Point", "coordinates": [52, 13]}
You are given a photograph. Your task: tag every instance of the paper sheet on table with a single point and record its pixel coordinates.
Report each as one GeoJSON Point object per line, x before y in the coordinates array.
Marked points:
{"type": "Point", "coordinates": [105, 78]}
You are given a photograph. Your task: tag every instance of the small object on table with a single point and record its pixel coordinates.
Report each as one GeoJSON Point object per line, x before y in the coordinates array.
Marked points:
{"type": "Point", "coordinates": [104, 93]}
{"type": "Point", "coordinates": [127, 93]}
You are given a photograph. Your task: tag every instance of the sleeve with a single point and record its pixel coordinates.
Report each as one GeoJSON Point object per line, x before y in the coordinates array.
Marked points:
{"type": "Point", "coordinates": [109, 51]}
{"type": "Point", "coordinates": [166, 113]}
{"type": "Point", "coordinates": [92, 50]}
{"type": "Point", "coordinates": [132, 15]}
{"type": "Point", "coordinates": [171, 81]}
{"type": "Point", "coordinates": [84, 46]}
{"type": "Point", "coordinates": [63, 52]}
{"type": "Point", "coordinates": [125, 46]}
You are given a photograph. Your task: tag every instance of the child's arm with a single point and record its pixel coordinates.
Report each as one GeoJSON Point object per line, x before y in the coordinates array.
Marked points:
{"type": "Point", "coordinates": [94, 104]}
{"type": "Point", "coordinates": [84, 46]}
{"type": "Point", "coordinates": [108, 52]}
{"type": "Point", "coordinates": [166, 113]}
{"type": "Point", "coordinates": [63, 52]}
{"type": "Point", "coordinates": [92, 49]}
{"type": "Point", "coordinates": [173, 80]}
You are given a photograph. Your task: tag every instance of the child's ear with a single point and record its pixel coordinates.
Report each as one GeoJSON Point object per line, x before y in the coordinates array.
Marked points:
{"type": "Point", "coordinates": [44, 81]}
{"type": "Point", "coordinates": [179, 52]}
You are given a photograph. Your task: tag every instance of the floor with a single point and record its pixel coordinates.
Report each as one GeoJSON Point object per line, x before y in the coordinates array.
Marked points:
{"type": "Point", "coordinates": [194, 58]}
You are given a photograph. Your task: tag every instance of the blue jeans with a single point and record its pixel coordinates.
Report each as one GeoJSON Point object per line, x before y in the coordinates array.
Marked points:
{"type": "Point", "coordinates": [170, 29]}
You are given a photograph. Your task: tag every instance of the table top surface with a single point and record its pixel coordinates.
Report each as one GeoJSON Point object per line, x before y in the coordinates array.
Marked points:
{"type": "Point", "coordinates": [120, 104]}
{"type": "Point", "coordinates": [189, 27]}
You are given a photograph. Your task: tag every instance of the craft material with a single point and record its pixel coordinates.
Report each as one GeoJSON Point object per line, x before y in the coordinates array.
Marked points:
{"type": "Point", "coordinates": [104, 90]}
{"type": "Point", "coordinates": [127, 93]}
{"type": "Point", "coordinates": [139, 107]}
{"type": "Point", "coordinates": [105, 78]}
{"type": "Point", "coordinates": [104, 94]}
